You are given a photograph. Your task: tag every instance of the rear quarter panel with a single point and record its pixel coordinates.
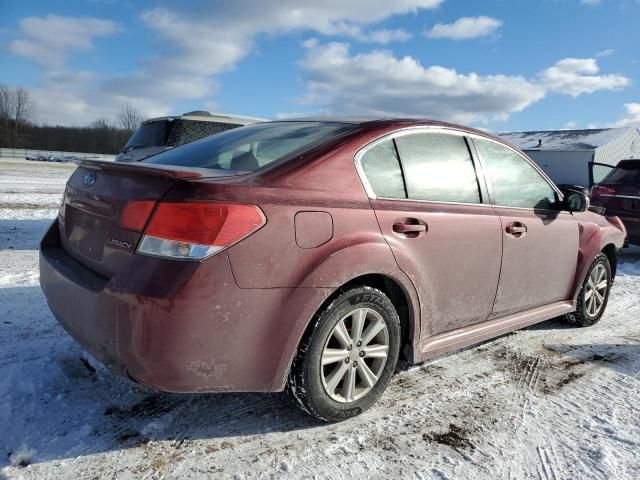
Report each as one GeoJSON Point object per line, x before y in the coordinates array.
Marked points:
{"type": "Point", "coordinates": [274, 257]}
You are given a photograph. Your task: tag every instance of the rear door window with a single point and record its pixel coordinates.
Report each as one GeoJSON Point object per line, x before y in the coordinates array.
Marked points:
{"type": "Point", "coordinates": [516, 183]}
{"type": "Point", "coordinates": [438, 167]}
{"type": "Point", "coordinates": [382, 169]}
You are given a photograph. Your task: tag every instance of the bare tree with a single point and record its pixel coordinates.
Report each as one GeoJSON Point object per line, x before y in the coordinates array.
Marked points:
{"type": "Point", "coordinates": [5, 113]}
{"type": "Point", "coordinates": [17, 109]}
{"type": "Point", "coordinates": [24, 107]}
{"type": "Point", "coordinates": [101, 123]}
{"type": "Point", "coordinates": [5, 102]}
{"type": "Point", "coordinates": [130, 117]}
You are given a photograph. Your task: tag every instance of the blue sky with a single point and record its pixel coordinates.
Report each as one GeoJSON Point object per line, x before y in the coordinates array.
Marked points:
{"type": "Point", "coordinates": [496, 64]}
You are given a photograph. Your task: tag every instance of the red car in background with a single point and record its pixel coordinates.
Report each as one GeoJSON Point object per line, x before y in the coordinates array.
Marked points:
{"type": "Point", "coordinates": [619, 194]}
{"type": "Point", "coordinates": [313, 254]}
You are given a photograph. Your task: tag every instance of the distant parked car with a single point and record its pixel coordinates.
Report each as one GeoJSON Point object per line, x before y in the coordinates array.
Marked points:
{"type": "Point", "coordinates": [619, 194]}
{"type": "Point", "coordinates": [159, 134]}
{"type": "Point", "coordinates": [312, 254]}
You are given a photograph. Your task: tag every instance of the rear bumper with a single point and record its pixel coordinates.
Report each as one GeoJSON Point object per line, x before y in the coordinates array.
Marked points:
{"type": "Point", "coordinates": [178, 326]}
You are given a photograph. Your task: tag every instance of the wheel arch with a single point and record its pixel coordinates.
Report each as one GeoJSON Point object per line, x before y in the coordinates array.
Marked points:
{"type": "Point", "coordinates": [402, 295]}
{"type": "Point", "coordinates": [611, 252]}
{"type": "Point", "coordinates": [401, 301]}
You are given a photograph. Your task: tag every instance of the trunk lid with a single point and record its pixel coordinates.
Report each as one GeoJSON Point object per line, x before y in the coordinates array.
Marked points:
{"type": "Point", "coordinates": [94, 199]}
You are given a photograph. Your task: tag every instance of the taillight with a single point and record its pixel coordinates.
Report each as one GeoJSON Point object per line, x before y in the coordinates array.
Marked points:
{"type": "Point", "coordinates": [597, 191]}
{"type": "Point", "coordinates": [136, 213]}
{"type": "Point", "coordinates": [197, 230]}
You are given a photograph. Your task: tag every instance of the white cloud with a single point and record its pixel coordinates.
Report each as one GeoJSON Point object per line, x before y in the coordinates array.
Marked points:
{"type": "Point", "coordinates": [385, 36]}
{"type": "Point", "coordinates": [575, 76]}
{"type": "Point", "coordinates": [207, 43]}
{"type": "Point", "coordinates": [606, 53]}
{"type": "Point", "coordinates": [465, 28]}
{"type": "Point", "coordinates": [379, 83]}
{"type": "Point", "coordinates": [48, 40]}
{"type": "Point", "coordinates": [193, 48]}
{"type": "Point", "coordinates": [633, 116]}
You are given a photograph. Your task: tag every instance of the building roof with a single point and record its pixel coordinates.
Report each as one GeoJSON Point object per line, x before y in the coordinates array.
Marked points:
{"type": "Point", "coordinates": [588, 139]}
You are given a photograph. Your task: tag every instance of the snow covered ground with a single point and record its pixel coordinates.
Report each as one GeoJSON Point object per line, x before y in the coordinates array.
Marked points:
{"type": "Point", "coordinates": [548, 402]}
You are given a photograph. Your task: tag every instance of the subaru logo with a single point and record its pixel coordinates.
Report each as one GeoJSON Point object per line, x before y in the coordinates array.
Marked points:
{"type": "Point", "coordinates": [89, 179]}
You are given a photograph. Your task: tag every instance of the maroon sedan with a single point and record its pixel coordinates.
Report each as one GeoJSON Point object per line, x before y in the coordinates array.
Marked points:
{"type": "Point", "coordinates": [619, 194]}
{"type": "Point", "coordinates": [313, 254]}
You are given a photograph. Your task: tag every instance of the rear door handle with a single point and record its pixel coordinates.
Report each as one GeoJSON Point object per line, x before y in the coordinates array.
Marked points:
{"type": "Point", "coordinates": [516, 229]}
{"type": "Point", "coordinates": [411, 227]}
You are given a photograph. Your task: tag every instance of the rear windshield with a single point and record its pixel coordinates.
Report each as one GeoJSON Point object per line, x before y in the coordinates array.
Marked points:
{"type": "Point", "coordinates": [252, 147]}
{"type": "Point", "coordinates": [627, 172]}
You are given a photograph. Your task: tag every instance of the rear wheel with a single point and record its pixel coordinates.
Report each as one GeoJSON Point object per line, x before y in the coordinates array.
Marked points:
{"type": "Point", "coordinates": [594, 294]}
{"type": "Point", "coordinates": [346, 360]}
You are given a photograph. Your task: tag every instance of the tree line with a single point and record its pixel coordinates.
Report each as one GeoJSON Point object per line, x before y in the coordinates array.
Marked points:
{"type": "Point", "coordinates": [19, 130]}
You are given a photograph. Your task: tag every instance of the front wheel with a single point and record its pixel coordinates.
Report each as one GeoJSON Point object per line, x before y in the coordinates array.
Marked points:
{"type": "Point", "coordinates": [594, 294]}
{"type": "Point", "coordinates": [346, 360]}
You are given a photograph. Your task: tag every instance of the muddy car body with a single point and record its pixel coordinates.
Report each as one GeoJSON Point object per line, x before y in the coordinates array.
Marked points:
{"type": "Point", "coordinates": [339, 256]}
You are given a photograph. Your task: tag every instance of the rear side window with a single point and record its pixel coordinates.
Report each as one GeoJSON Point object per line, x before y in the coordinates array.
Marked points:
{"type": "Point", "coordinates": [626, 173]}
{"type": "Point", "coordinates": [516, 183]}
{"type": "Point", "coordinates": [438, 167]}
{"type": "Point", "coordinates": [252, 147]}
{"type": "Point", "coordinates": [382, 168]}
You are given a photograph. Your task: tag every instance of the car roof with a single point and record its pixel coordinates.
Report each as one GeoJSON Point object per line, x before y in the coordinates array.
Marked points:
{"type": "Point", "coordinates": [380, 121]}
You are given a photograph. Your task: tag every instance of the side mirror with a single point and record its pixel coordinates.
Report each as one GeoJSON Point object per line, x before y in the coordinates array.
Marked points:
{"type": "Point", "coordinates": [575, 201]}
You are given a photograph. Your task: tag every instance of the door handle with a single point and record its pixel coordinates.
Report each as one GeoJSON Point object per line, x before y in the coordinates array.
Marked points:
{"type": "Point", "coordinates": [410, 227]}
{"type": "Point", "coordinates": [516, 229]}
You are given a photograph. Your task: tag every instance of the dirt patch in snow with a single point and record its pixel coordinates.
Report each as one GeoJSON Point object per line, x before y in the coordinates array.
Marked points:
{"type": "Point", "coordinates": [455, 437]}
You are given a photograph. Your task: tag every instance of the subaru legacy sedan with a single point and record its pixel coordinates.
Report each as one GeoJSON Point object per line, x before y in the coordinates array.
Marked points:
{"type": "Point", "coordinates": [311, 255]}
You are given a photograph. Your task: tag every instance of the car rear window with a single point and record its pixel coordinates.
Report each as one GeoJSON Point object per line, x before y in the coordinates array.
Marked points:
{"type": "Point", "coordinates": [252, 147]}
{"type": "Point", "coordinates": [381, 165]}
{"type": "Point", "coordinates": [627, 172]}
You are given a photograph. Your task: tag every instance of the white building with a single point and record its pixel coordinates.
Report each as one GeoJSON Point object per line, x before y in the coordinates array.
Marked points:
{"type": "Point", "coordinates": [578, 157]}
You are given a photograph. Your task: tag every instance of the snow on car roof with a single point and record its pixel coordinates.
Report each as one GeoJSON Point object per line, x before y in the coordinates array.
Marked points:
{"type": "Point", "coordinates": [587, 139]}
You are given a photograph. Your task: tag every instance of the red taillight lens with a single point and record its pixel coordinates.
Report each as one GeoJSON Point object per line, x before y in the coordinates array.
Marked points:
{"type": "Point", "coordinates": [597, 191]}
{"type": "Point", "coordinates": [196, 230]}
{"type": "Point", "coordinates": [136, 213]}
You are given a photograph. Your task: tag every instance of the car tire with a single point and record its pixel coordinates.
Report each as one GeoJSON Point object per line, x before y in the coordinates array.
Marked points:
{"type": "Point", "coordinates": [339, 370]}
{"type": "Point", "coordinates": [590, 306]}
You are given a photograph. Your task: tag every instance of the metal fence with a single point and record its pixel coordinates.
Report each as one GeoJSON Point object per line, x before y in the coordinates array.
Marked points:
{"type": "Point", "coordinates": [22, 153]}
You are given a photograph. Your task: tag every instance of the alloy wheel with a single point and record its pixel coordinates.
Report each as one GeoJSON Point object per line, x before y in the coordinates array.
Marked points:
{"type": "Point", "coordinates": [354, 355]}
{"type": "Point", "coordinates": [596, 290]}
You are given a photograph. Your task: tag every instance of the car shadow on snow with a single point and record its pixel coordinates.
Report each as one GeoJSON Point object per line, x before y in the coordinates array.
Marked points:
{"type": "Point", "coordinates": [621, 357]}
{"type": "Point", "coordinates": [58, 403]}
{"type": "Point", "coordinates": [22, 234]}
{"type": "Point", "coordinates": [630, 255]}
